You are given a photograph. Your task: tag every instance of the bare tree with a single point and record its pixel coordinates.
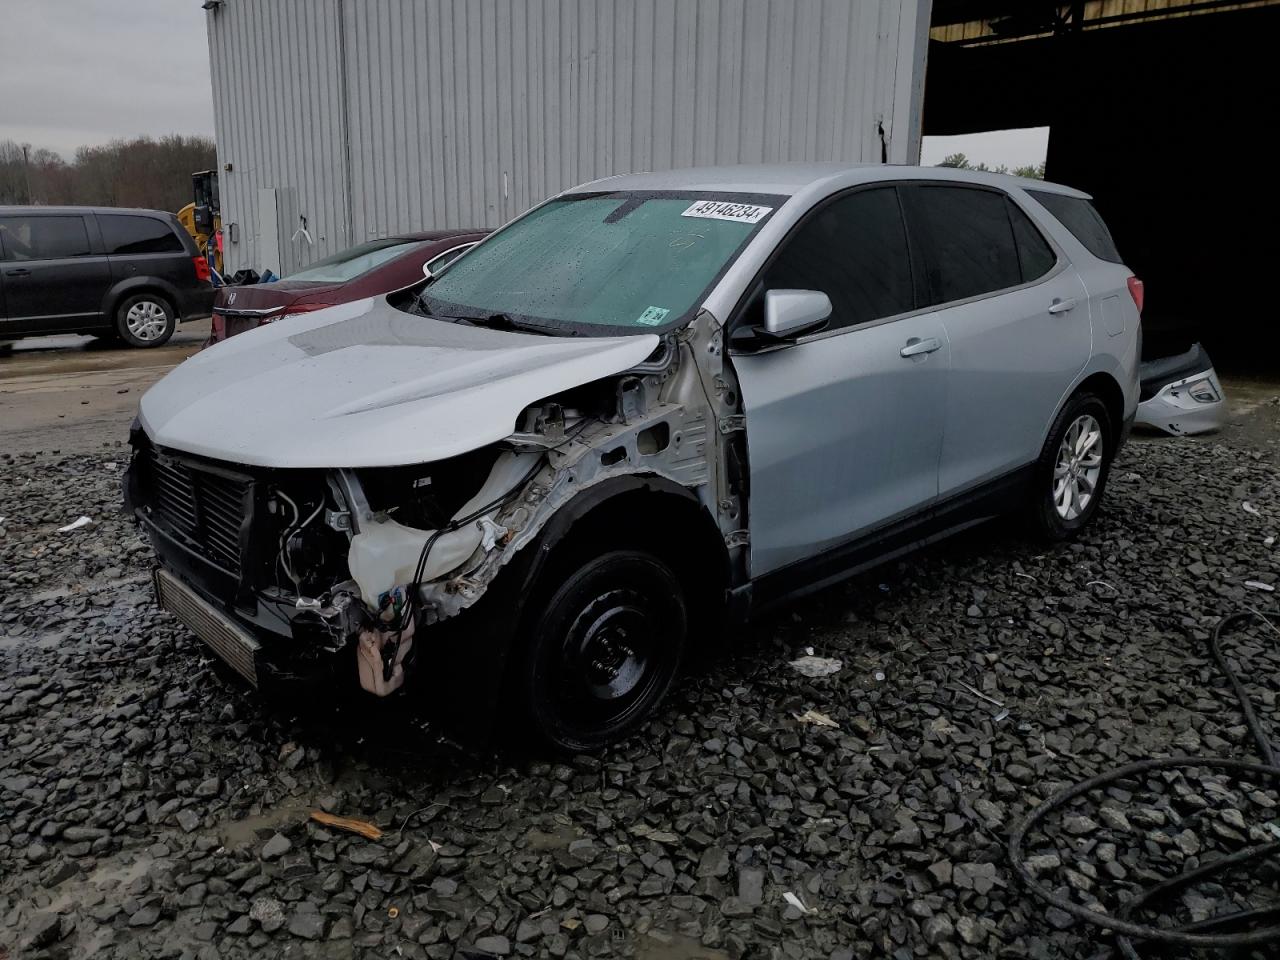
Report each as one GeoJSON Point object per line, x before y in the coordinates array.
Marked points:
{"type": "Point", "coordinates": [14, 174]}
{"type": "Point", "coordinates": [141, 172]}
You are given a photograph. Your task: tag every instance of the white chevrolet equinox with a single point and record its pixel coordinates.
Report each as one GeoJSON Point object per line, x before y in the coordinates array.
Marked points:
{"type": "Point", "coordinates": [649, 406]}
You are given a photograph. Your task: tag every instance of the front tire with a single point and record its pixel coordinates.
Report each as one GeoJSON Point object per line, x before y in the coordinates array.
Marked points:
{"type": "Point", "coordinates": [1071, 475]}
{"type": "Point", "coordinates": [146, 320]}
{"type": "Point", "coordinates": [602, 653]}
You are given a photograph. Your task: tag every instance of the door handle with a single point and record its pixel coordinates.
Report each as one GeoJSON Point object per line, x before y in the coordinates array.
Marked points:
{"type": "Point", "coordinates": [20, 272]}
{"type": "Point", "coordinates": [1062, 306]}
{"type": "Point", "coordinates": [916, 347]}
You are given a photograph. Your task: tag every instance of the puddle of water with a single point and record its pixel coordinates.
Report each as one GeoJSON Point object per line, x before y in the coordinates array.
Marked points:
{"type": "Point", "coordinates": [90, 587]}
{"type": "Point", "coordinates": [111, 872]}
{"type": "Point", "coordinates": [674, 946]}
{"type": "Point", "coordinates": [235, 832]}
{"type": "Point", "coordinates": [557, 839]}
{"type": "Point", "coordinates": [44, 641]}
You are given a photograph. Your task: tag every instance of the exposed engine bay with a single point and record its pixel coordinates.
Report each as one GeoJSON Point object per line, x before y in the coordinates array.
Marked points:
{"type": "Point", "coordinates": [371, 558]}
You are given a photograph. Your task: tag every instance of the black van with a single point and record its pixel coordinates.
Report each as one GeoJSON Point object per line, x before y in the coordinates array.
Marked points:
{"type": "Point", "coordinates": [108, 271]}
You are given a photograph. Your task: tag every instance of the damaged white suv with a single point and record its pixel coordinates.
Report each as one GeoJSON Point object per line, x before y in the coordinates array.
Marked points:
{"type": "Point", "coordinates": [649, 406]}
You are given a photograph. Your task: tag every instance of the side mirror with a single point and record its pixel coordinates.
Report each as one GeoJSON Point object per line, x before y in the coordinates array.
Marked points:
{"type": "Point", "coordinates": [791, 312]}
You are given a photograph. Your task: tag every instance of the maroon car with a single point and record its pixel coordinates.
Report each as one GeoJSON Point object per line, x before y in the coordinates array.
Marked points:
{"type": "Point", "coordinates": [372, 268]}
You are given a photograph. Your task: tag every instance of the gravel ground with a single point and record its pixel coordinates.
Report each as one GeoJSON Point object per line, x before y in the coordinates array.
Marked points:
{"type": "Point", "coordinates": [151, 806]}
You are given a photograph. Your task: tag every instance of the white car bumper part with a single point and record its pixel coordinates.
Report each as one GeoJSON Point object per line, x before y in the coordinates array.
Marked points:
{"type": "Point", "coordinates": [1192, 403]}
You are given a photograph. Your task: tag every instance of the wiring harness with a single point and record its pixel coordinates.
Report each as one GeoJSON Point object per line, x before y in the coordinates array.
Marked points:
{"type": "Point", "coordinates": [1200, 934]}
{"type": "Point", "coordinates": [409, 613]}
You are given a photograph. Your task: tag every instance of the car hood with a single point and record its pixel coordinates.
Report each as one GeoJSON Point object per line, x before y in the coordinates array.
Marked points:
{"type": "Point", "coordinates": [365, 385]}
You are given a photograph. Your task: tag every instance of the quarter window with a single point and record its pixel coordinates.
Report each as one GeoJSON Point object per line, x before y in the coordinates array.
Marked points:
{"type": "Point", "coordinates": [1035, 256]}
{"type": "Point", "coordinates": [966, 238]}
{"type": "Point", "coordinates": [855, 251]}
{"type": "Point", "coordinates": [444, 259]}
{"type": "Point", "coordinates": [124, 235]}
{"type": "Point", "coordinates": [1085, 223]}
{"type": "Point", "coordinates": [43, 238]}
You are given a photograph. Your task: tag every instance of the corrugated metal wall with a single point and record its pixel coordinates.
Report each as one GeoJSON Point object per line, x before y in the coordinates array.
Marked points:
{"type": "Point", "coordinates": [279, 118]}
{"type": "Point", "coordinates": [440, 113]}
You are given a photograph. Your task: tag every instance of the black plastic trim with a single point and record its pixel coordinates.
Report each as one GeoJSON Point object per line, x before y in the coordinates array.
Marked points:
{"type": "Point", "coordinates": [889, 542]}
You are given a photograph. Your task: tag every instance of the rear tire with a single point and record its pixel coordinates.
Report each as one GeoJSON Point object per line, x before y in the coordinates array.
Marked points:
{"type": "Point", "coordinates": [146, 320]}
{"type": "Point", "coordinates": [1070, 477]}
{"type": "Point", "coordinates": [601, 654]}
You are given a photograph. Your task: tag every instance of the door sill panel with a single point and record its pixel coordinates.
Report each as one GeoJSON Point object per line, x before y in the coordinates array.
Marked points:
{"type": "Point", "coordinates": [942, 520]}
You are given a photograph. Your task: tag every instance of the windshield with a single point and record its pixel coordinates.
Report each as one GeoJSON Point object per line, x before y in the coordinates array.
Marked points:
{"type": "Point", "coordinates": [349, 264]}
{"type": "Point", "coordinates": [602, 264]}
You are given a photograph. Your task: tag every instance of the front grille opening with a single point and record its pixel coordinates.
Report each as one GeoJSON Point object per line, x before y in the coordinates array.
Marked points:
{"type": "Point", "coordinates": [207, 509]}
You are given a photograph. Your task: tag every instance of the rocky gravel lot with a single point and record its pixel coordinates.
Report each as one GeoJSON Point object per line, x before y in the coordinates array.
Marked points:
{"type": "Point", "coordinates": [151, 806]}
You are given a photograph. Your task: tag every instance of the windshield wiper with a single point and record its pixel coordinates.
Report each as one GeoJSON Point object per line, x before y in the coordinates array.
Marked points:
{"type": "Point", "coordinates": [499, 321]}
{"type": "Point", "coordinates": [492, 321]}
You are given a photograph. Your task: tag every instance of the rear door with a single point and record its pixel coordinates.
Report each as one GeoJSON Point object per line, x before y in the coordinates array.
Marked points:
{"type": "Point", "coordinates": [54, 277]}
{"type": "Point", "coordinates": [1017, 319]}
{"type": "Point", "coordinates": [147, 246]}
{"type": "Point", "coordinates": [1112, 307]}
{"type": "Point", "coordinates": [843, 429]}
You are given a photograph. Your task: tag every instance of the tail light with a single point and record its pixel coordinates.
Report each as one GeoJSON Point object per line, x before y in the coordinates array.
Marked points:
{"type": "Point", "coordinates": [203, 273]}
{"type": "Point", "coordinates": [1136, 291]}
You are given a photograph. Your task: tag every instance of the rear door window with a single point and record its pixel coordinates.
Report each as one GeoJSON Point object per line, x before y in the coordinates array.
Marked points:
{"type": "Point", "coordinates": [1085, 223]}
{"type": "Point", "coordinates": [966, 238]}
{"type": "Point", "coordinates": [43, 238]}
{"type": "Point", "coordinates": [855, 251]}
{"type": "Point", "coordinates": [127, 234]}
{"type": "Point", "coordinates": [1035, 256]}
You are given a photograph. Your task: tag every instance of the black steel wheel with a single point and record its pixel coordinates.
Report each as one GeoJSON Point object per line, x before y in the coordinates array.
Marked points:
{"type": "Point", "coordinates": [604, 650]}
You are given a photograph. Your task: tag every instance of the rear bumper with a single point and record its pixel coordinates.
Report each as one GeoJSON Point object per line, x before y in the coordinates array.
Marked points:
{"type": "Point", "coordinates": [196, 303]}
{"type": "Point", "coordinates": [1174, 410]}
{"type": "Point", "coordinates": [229, 323]}
{"type": "Point", "coordinates": [1167, 402]}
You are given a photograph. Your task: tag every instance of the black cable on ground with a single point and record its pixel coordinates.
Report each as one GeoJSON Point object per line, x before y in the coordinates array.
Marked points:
{"type": "Point", "coordinates": [1194, 934]}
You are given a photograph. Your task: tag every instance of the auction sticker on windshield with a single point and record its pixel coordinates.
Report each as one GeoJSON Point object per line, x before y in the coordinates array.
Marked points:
{"type": "Point", "coordinates": [652, 316]}
{"type": "Point", "coordinates": [722, 210]}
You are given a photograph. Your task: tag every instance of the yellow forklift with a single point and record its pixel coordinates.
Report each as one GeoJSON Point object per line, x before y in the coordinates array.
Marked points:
{"type": "Point", "coordinates": [202, 218]}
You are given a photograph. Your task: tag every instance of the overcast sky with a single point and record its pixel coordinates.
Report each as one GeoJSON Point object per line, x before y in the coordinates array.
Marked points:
{"type": "Point", "coordinates": [1013, 148]}
{"type": "Point", "coordinates": [76, 72]}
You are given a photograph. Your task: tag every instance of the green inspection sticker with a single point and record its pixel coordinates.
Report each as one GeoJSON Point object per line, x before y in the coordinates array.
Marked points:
{"type": "Point", "coordinates": [652, 316]}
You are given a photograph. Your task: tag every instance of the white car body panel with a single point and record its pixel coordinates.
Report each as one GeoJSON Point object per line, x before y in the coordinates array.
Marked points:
{"type": "Point", "coordinates": [828, 483]}
{"type": "Point", "coordinates": [1174, 410]}
{"type": "Point", "coordinates": [367, 385]}
{"type": "Point", "coordinates": [1012, 365]}
{"type": "Point", "coordinates": [758, 465]}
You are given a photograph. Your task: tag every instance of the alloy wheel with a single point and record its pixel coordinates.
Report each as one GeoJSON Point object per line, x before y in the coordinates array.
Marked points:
{"type": "Point", "coordinates": [1078, 467]}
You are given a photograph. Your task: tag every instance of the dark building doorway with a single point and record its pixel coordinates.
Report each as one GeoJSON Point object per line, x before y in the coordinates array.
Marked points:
{"type": "Point", "coordinates": [1163, 111]}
